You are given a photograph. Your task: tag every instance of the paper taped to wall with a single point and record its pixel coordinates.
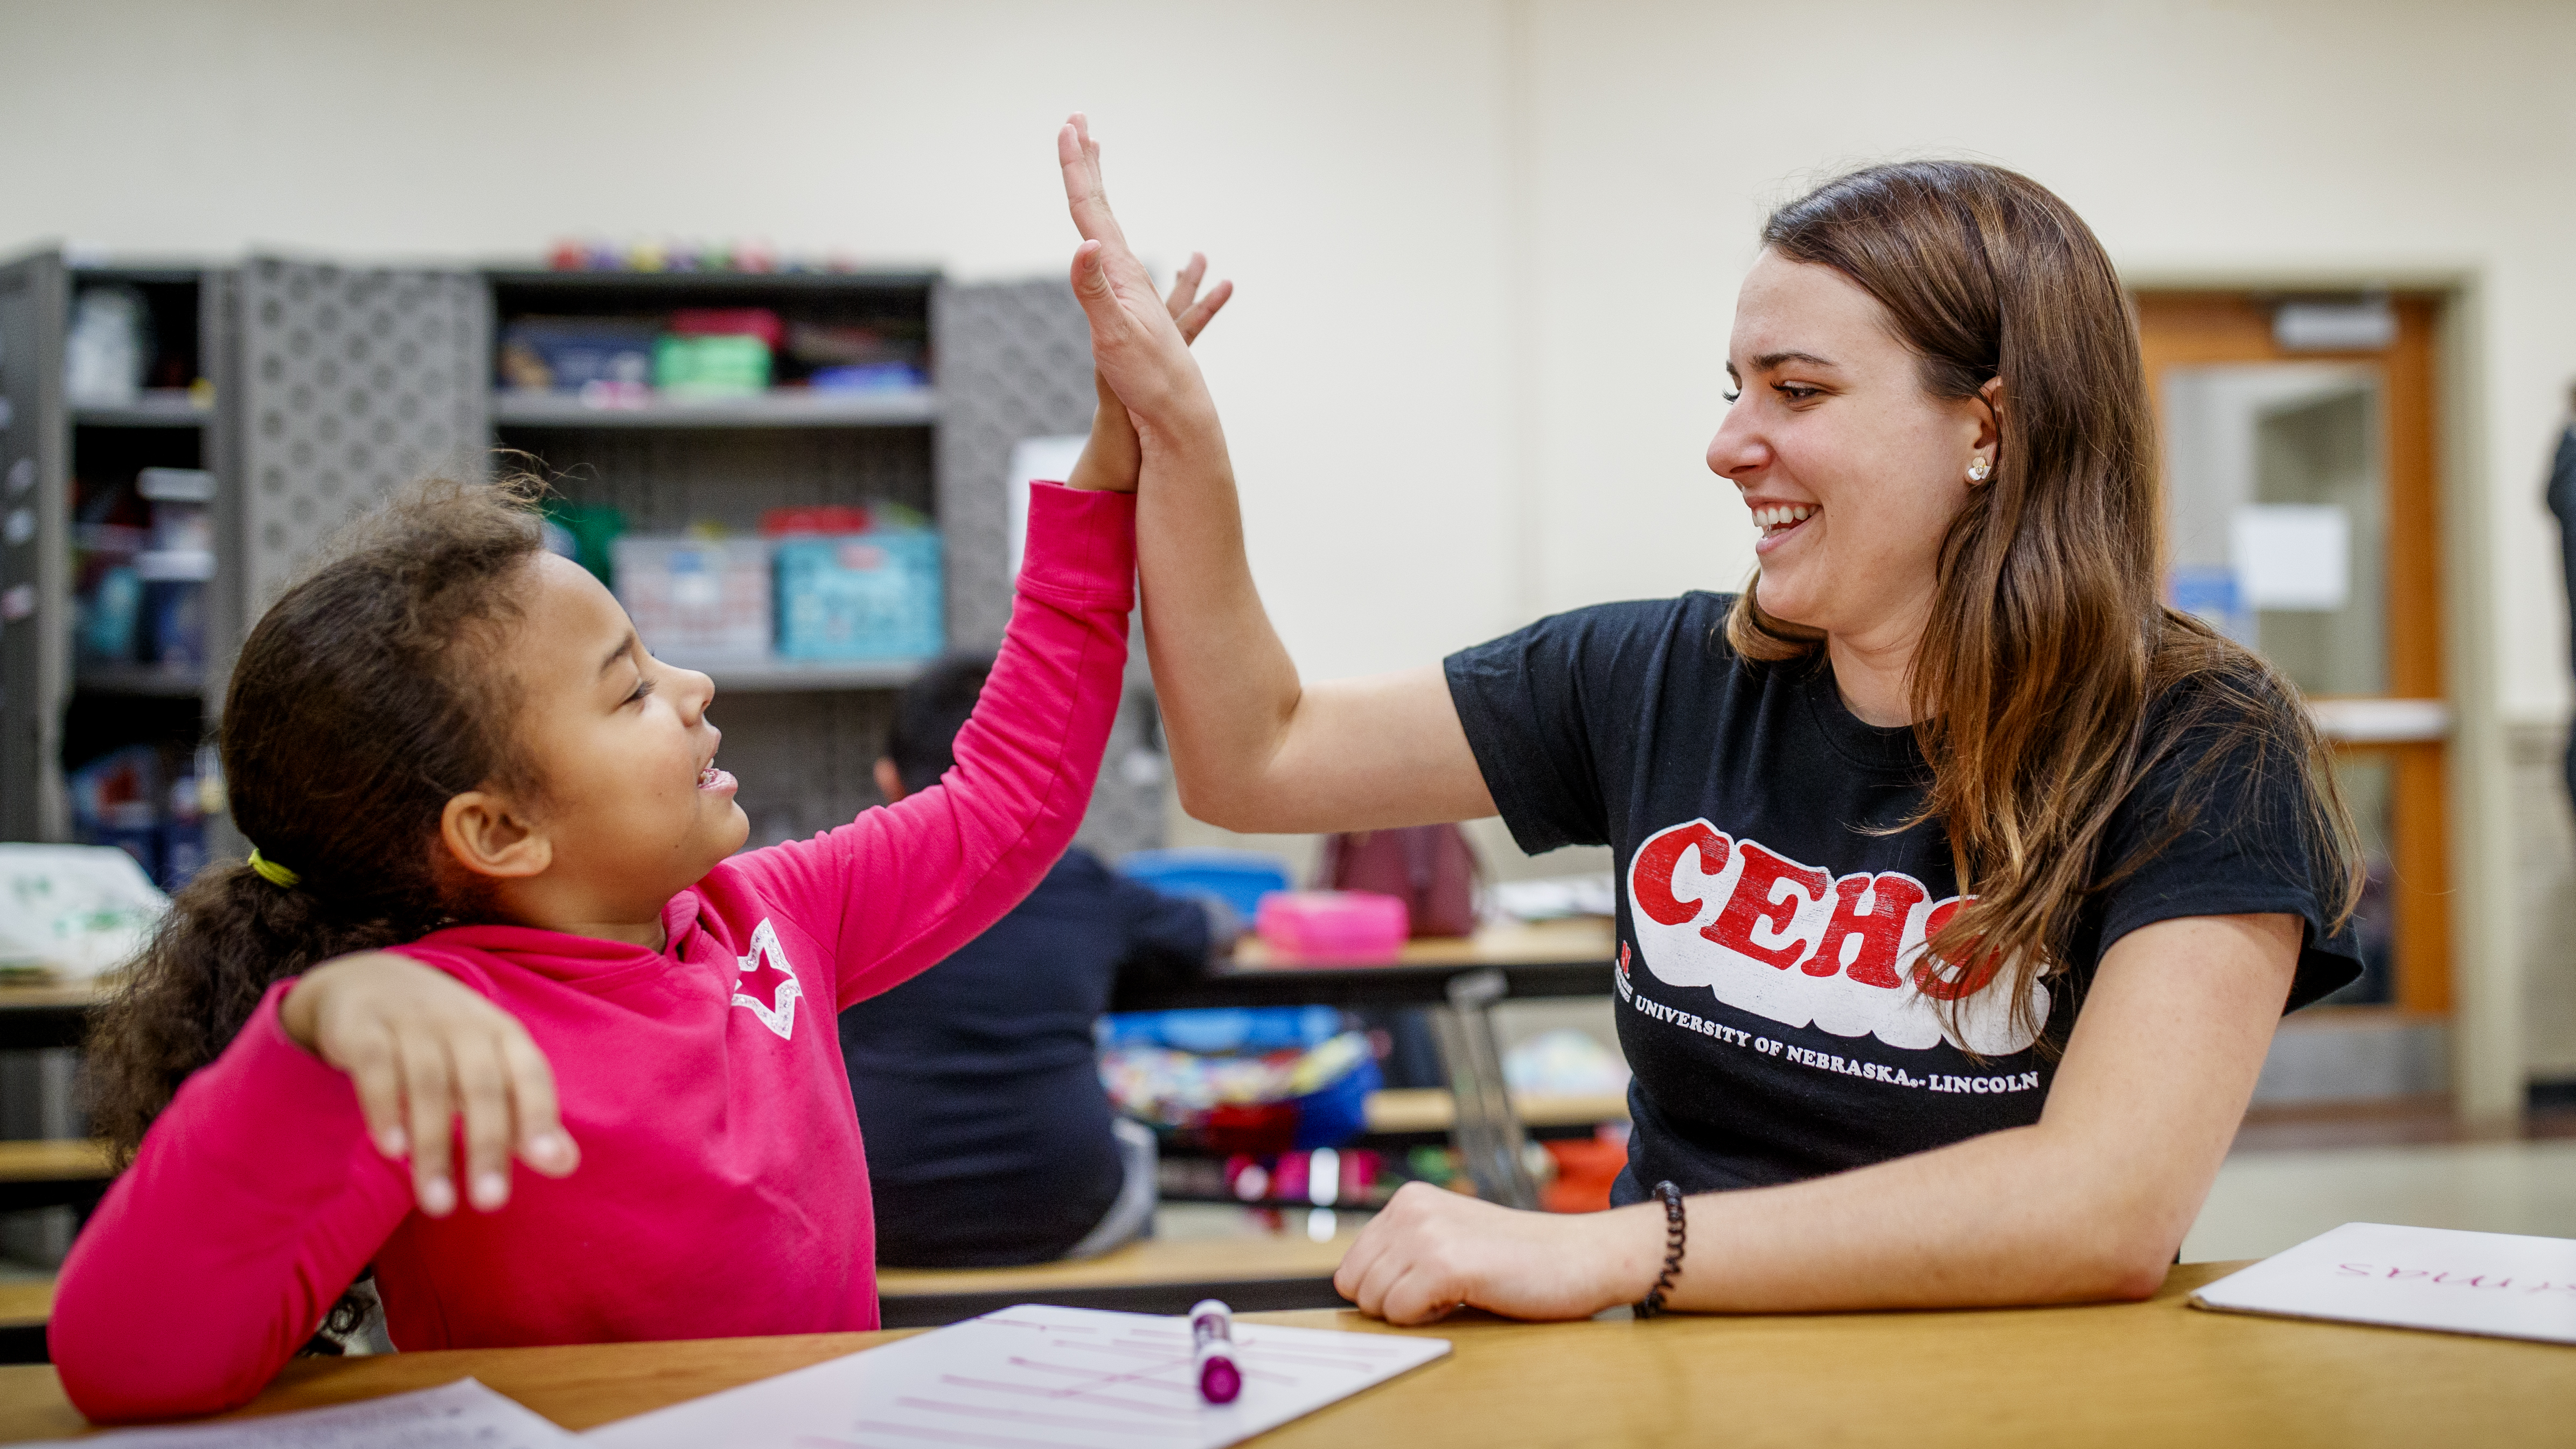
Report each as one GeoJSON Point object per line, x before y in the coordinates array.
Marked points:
{"type": "Point", "coordinates": [2292, 555]}
{"type": "Point", "coordinates": [461, 1415]}
{"type": "Point", "coordinates": [1066, 1378]}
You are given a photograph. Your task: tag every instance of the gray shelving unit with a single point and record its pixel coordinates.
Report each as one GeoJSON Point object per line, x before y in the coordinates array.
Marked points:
{"type": "Point", "coordinates": [336, 383]}
{"type": "Point", "coordinates": [57, 711]}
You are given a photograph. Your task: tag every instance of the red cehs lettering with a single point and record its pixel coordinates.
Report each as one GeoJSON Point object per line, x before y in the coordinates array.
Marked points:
{"type": "Point", "coordinates": [1880, 930]}
{"type": "Point", "coordinates": [1653, 876]}
{"type": "Point", "coordinates": [1929, 979]}
{"type": "Point", "coordinates": [1752, 901]}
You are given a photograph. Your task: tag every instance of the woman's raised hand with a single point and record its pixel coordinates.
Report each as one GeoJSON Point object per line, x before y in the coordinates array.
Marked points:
{"type": "Point", "coordinates": [1139, 339]}
{"type": "Point", "coordinates": [1111, 457]}
{"type": "Point", "coordinates": [423, 1049]}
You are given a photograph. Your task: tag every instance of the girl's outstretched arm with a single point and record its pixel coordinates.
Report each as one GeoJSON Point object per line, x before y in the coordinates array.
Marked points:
{"type": "Point", "coordinates": [1253, 747]}
{"type": "Point", "coordinates": [901, 887]}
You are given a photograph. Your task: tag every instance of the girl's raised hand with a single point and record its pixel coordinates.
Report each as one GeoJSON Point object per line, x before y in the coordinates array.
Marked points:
{"type": "Point", "coordinates": [1139, 342]}
{"type": "Point", "coordinates": [424, 1049]}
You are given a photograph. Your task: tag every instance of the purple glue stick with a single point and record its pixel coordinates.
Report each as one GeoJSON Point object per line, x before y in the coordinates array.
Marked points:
{"type": "Point", "coordinates": [1212, 1350]}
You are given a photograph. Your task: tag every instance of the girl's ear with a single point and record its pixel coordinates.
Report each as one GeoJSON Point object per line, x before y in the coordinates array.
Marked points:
{"type": "Point", "coordinates": [490, 839]}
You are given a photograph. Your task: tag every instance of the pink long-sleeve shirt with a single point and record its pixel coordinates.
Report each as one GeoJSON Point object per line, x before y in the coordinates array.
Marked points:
{"type": "Point", "coordinates": [722, 1190]}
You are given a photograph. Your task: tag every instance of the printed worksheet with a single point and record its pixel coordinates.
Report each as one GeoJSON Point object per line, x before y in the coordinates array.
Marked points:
{"type": "Point", "coordinates": [462, 1415]}
{"type": "Point", "coordinates": [2499, 1284]}
{"type": "Point", "coordinates": [1034, 1378]}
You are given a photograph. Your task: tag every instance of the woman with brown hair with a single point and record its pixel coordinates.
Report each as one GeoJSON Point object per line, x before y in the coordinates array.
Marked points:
{"type": "Point", "coordinates": [1961, 881]}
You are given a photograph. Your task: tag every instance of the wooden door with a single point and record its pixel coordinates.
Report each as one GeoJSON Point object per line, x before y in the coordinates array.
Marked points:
{"type": "Point", "coordinates": [2370, 658]}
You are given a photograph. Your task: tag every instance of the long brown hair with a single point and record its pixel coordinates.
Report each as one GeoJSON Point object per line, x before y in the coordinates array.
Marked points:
{"type": "Point", "coordinates": [361, 702]}
{"type": "Point", "coordinates": [2049, 679]}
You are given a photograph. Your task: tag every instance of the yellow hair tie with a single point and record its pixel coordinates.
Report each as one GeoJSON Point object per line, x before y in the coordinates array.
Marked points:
{"type": "Point", "coordinates": [273, 873]}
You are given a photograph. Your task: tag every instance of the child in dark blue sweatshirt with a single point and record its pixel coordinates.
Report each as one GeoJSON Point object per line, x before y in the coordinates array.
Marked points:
{"type": "Point", "coordinates": [990, 1140]}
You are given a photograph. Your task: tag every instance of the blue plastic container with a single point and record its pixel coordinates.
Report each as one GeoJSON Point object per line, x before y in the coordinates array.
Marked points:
{"type": "Point", "coordinates": [860, 596]}
{"type": "Point", "coordinates": [1240, 878]}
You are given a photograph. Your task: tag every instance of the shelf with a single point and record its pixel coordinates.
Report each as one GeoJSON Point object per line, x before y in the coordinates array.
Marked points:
{"type": "Point", "coordinates": [613, 281]}
{"type": "Point", "coordinates": [767, 675]}
{"type": "Point", "coordinates": [160, 407]}
{"type": "Point", "coordinates": [784, 408]}
{"type": "Point", "coordinates": [135, 679]}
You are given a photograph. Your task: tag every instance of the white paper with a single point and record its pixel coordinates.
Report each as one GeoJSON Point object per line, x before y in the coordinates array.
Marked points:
{"type": "Point", "coordinates": [1035, 1378]}
{"type": "Point", "coordinates": [462, 1415]}
{"type": "Point", "coordinates": [2291, 555]}
{"type": "Point", "coordinates": [1033, 458]}
{"type": "Point", "coordinates": [2499, 1284]}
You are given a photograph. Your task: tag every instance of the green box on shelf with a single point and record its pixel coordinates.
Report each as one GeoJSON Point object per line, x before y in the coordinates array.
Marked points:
{"type": "Point", "coordinates": [711, 366]}
{"type": "Point", "coordinates": [860, 596]}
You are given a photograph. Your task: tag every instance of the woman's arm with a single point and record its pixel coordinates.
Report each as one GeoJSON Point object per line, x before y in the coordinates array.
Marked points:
{"type": "Point", "coordinates": [2089, 1203]}
{"type": "Point", "coordinates": [1253, 748]}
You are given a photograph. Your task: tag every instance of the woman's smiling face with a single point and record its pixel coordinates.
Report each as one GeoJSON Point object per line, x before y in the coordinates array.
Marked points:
{"type": "Point", "coordinates": [1852, 471]}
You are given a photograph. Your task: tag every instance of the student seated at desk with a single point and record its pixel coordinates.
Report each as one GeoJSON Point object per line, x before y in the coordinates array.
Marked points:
{"type": "Point", "coordinates": [990, 1140]}
{"type": "Point", "coordinates": [1962, 881]}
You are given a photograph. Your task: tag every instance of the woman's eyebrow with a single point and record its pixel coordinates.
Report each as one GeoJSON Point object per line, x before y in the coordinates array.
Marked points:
{"type": "Point", "coordinates": [1770, 360]}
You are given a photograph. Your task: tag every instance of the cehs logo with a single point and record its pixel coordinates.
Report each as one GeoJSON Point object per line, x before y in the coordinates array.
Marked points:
{"type": "Point", "coordinates": [1798, 945]}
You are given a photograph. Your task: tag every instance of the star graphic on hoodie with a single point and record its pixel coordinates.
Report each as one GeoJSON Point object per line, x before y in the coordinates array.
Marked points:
{"type": "Point", "coordinates": [764, 973]}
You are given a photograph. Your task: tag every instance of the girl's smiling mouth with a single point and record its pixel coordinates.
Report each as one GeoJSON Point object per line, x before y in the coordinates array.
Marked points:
{"type": "Point", "coordinates": [711, 778]}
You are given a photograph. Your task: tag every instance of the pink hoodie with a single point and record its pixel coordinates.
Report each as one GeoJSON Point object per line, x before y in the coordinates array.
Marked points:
{"type": "Point", "coordinates": [721, 1189]}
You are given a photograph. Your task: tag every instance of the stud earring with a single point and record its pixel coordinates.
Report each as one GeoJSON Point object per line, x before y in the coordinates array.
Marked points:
{"type": "Point", "coordinates": [1978, 468]}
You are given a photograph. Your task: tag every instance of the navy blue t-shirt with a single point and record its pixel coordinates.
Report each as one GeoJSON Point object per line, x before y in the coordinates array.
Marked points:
{"type": "Point", "coordinates": [1773, 999]}
{"type": "Point", "coordinates": [977, 1081]}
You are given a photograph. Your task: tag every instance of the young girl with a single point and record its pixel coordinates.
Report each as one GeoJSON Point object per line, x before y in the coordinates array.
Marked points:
{"type": "Point", "coordinates": [458, 762]}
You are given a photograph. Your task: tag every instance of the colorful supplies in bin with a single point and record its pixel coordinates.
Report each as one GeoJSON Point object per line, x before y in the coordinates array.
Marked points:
{"type": "Point", "coordinates": [1291, 1099]}
{"type": "Point", "coordinates": [864, 596]}
{"type": "Point", "coordinates": [1240, 878]}
{"type": "Point", "coordinates": [703, 598]}
{"type": "Point", "coordinates": [577, 354]}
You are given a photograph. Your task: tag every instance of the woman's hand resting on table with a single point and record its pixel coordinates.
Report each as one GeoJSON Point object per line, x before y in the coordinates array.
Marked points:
{"type": "Point", "coordinates": [423, 1049]}
{"type": "Point", "coordinates": [1432, 1251]}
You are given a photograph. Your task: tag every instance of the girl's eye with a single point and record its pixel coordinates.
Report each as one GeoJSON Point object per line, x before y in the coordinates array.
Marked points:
{"type": "Point", "coordinates": [643, 687]}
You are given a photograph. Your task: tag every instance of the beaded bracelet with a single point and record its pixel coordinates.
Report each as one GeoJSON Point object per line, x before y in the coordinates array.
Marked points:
{"type": "Point", "coordinates": [1674, 1228]}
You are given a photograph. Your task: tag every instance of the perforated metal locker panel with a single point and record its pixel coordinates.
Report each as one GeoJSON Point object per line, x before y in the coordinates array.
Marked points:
{"type": "Point", "coordinates": [1014, 362]}
{"type": "Point", "coordinates": [355, 381]}
{"type": "Point", "coordinates": [35, 629]}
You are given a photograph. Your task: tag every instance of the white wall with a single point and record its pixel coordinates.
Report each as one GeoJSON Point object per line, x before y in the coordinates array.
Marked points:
{"type": "Point", "coordinates": [1336, 158]}
{"type": "Point", "coordinates": [1488, 247]}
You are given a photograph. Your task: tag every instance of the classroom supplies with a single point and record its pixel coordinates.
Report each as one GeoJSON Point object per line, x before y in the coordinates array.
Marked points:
{"type": "Point", "coordinates": [1240, 878]}
{"type": "Point", "coordinates": [1326, 926]}
{"type": "Point", "coordinates": [1213, 1367]}
{"type": "Point", "coordinates": [73, 911]}
{"type": "Point", "coordinates": [693, 598]}
{"type": "Point", "coordinates": [2501, 1285]}
{"type": "Point", "coordinates": [461, 1415]}
{"type": "Point", "coordinates": [868, 596]}
{"type": "Point", "coordinates": [1072, 1377]}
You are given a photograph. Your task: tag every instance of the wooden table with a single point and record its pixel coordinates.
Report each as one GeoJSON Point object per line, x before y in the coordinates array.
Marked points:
{"type": "Point", "coordinates": [37, 1015]}
{"type": "Point", "coordinates": [2155, 1373]}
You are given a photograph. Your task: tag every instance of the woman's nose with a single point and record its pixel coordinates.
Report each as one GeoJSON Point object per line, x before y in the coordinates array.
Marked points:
{"type": "Point", "coordinates": [1737, 448]}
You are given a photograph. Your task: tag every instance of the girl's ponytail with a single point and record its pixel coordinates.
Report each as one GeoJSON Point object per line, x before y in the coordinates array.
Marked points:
{"type": "Point", "coordinates": [229, 936]}
{"type": "Point", "coordinates": [360, 704]}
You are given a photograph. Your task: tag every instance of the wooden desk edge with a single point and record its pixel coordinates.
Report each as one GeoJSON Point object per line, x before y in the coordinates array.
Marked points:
{"type": "Point", "coordinates": [581, 1386]}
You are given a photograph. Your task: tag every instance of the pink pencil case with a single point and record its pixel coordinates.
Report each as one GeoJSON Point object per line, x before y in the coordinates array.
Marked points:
{"type": "Point", "coordinates": [1333, 925]}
